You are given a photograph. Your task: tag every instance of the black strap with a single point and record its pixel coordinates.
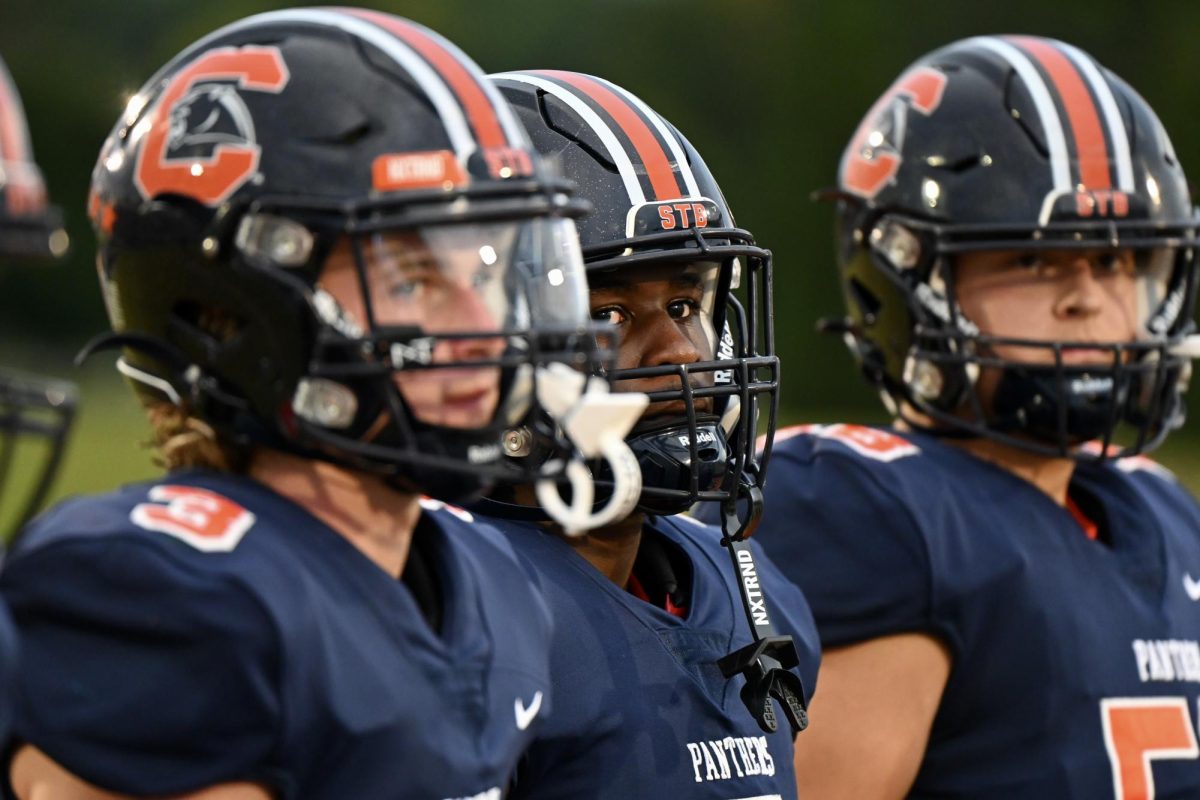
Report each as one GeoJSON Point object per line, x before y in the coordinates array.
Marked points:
{"type": "Point", "coordinates": [767, 661]}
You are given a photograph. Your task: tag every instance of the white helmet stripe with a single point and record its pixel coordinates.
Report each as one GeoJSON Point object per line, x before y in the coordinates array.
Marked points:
{"type": "Point", "coordinates": [685, 169]}
{"type": "Point", "coordinates": [619, 157]}
{"type": "Point", "coordinates": [1112, 115]}
{"type": "Point", "coordinates": [1056, 141]}
{"type": "Point", "coordinates": [514, 131]}
{"type": "Point", "coordinates": [444, 100]}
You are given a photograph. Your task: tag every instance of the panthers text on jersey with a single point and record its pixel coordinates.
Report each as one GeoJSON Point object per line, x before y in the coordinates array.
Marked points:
{"type": "Point", "coordinates": [641, 709]}
{"type": "Point", "coordinates": [1076, 662]}
{"type": "Point", "coordinates": [202, 629]}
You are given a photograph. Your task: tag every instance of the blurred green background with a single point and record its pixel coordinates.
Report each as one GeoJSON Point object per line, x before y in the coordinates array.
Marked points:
{"type": "Point", "coordinates": [767, 90]}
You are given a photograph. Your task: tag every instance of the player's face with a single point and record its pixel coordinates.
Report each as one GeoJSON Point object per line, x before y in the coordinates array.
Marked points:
{"type": "Point", "coordinates": [1054, 295]}
{"type": "Point", "coordinates": [663, 317]}
{"type": "Point", "coordinates": [442, 281]}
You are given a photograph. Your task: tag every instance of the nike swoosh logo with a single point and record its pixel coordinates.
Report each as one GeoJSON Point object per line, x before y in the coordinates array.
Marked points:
{"type": "Point", "coordinates": [1191, 586]}
{"type": "Point", "coordinates": [525, 714]}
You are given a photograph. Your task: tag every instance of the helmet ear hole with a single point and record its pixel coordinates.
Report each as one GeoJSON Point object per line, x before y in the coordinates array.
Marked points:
{"type": "Point", "coordinates": [219, 325]}
{"type": "Point", "coordinates": [1021, 109]}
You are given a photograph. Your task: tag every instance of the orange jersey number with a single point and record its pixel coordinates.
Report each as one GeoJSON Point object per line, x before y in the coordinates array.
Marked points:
{"type": "Point", "coordinates": [1139, 730]}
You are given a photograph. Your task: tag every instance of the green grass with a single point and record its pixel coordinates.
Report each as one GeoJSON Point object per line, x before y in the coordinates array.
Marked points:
{"type": "Point", "coordinates": [106, 447]}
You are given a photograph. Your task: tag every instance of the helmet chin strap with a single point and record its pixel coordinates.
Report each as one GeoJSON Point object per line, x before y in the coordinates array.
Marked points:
{"type": "Point", "coordinates": [596, 421]}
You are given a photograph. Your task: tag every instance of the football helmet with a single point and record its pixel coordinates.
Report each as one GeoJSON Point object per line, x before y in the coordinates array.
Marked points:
{"type": "Point", "coordinates": [30, 227]}
{"type": "Point", "coordinates": [1021, 144]}
{"type": "Point", "coordinates": [35, 412]}
{"type": "Point", "coordinates": [296, 158]}
{"type": "Point", "coordinates": [656, 203]}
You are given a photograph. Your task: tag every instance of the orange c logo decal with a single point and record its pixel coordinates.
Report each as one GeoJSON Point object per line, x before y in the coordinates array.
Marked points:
{"type": "Point", "coordinates": [214, 178]}
{"type": "Point", "coordinates": [865, 175]}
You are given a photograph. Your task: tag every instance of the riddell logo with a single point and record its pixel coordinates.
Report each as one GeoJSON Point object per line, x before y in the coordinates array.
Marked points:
{"type": "Point", "coordinates": [702, 437]}
{"type": "Point", "coordinates": [758, 605]}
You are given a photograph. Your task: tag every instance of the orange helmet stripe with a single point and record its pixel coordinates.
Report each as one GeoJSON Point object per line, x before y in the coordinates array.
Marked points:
{"type": "Point", "coordinates": [467, 87]}
{"type": "Point", "coordinates": [1091, 147]}
{"type": "Point", "coordinates": [651, 152]}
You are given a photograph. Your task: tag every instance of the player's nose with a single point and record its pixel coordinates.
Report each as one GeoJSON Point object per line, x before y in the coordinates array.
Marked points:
{"type": "Point", "coordinates": [1080, 294]}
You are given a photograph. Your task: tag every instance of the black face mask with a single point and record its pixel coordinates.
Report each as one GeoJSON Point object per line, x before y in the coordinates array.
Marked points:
{"type": "Point", "coordinates": [33, 411]}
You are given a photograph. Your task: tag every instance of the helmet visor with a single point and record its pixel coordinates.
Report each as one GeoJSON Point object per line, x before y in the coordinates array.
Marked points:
{"type": "Point", "coordinates": [451, 306]}
{"type": "Point", "coordinates": [1072, 299]}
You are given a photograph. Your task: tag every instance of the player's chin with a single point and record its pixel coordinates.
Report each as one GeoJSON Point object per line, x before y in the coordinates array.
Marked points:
{"type": "Point", "coordinates": [467, 409]}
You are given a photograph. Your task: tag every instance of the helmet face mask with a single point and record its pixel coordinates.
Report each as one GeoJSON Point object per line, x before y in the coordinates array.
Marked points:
{"type": "Point", "coordinates": [30, 227]}
{"type": "Point", "coordinates": [35, 412]}
{"type": "Point", "coordinates": [658, 211]}
{"type": "Point", "coordinates": [35, 416]}
{"type": "Point", "coordinates": [437, 329]}
{"type": "Point", "coordinates": [975, 152]}
{"type": "Point", "coordinates": [360, 260]}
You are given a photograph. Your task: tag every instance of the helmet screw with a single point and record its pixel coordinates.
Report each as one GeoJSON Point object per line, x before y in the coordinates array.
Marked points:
{"type": "Point", "coordinates": [209, 246]}
{"type": "Point", "coordinates": [518, 442]}
{"type": "Point", "coordinates": [925, 378]}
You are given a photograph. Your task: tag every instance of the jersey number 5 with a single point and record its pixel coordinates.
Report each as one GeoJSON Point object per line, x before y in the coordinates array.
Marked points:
{"type": "Point", "coordinates": [1138, 730]}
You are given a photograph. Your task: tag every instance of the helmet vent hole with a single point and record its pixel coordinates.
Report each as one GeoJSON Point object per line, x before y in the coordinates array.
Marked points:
{"type": "Point", "coordinates": [1022, 109]}
{"type": "Point", "coordinates": [865, 301]}
{"type": "Point", "coordinates": [963, 164]}
{"type": "Point", "coordinates": [218, 324]}
{"type": "Point", "coordinates": [566, 123]}
{"type": "Point", "coordinates": [352, 136]}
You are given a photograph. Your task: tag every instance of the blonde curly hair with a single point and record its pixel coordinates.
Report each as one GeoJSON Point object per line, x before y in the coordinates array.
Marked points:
{"type": "Point", "coordinates": [184, 441]}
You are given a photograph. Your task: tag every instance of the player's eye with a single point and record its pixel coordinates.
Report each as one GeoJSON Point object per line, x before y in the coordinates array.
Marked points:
{"type": "Point", "coordinates": [1108, 261]}
{"type": "Point", "coordinates": [1029, 261]}
{"type": "Point", "coordinates": [407, 289]}
{"type": "Point", "coordinates": [484, 276]}
{"type": "Point", "coordinates": [683, 308]}
{"type": "Point", "coordinates": [613, 315]}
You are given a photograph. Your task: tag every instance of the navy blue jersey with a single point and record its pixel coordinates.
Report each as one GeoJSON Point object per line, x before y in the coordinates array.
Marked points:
{"type": "Point", "coordinates": [641, 709]}
{"type": "Point", "coordinates": [1076, 663]}
{"type": "Point", "coordinates": [8, 670]}
{"type": "Point", "coordinates": [203, 629]}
